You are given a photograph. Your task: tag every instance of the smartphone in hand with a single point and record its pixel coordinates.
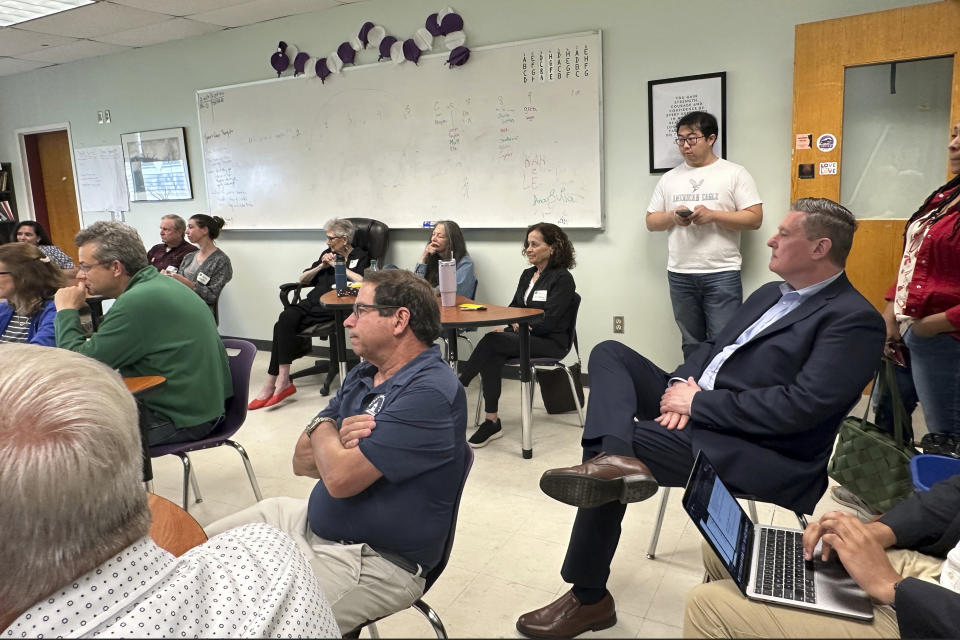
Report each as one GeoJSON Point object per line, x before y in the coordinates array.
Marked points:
{"type": "Point", "coordinates": [684, 213]}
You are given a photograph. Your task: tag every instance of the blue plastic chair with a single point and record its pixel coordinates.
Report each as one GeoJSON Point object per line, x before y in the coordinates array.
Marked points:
{"type": "Point", "coordinates": [928, 469]}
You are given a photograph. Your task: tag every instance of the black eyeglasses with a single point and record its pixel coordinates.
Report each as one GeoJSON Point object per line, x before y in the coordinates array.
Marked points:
{"type": "Point", "coordinates": [359, 308]}
{"type": "Point", "coordinates": [6, 273]}
{"type": "Point", "coordinates": [691, 140]}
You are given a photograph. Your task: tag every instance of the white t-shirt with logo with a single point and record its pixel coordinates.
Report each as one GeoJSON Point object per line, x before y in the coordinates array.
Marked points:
{"type": "Point", "coordinates": [721, 185]}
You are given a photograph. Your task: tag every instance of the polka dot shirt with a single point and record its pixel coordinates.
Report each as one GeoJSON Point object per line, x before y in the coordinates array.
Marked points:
{"type": "Point", "coordinates": [251, 581]}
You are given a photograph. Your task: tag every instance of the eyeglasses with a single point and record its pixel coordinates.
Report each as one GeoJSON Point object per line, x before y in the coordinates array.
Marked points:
{"type": "Point", "coordinates": [6, 273]}
{"type": "Point", "coordinates": [691, 140]}
{"type": "Point", "coordinates": [333, 238]}
{"type": "Point", "coordinates": [359, 308]}
{"type": "Point", "coordinates": [86, 267]}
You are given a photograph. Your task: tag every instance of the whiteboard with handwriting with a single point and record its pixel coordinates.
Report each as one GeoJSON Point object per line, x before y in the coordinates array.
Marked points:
{"type": "Point", "coordinates": [511, 138]}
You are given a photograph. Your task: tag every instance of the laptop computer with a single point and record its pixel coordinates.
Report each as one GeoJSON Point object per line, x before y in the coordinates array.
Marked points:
{"type": "Point", "coordinates": [766, 562]}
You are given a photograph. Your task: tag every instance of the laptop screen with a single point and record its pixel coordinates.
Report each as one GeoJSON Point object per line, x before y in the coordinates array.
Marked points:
{"type": "Point", "coordinates": [720, 518]}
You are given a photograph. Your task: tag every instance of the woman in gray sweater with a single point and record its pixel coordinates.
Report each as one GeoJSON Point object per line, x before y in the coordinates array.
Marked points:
{"type": "Point", "coordinates": [208, 270]}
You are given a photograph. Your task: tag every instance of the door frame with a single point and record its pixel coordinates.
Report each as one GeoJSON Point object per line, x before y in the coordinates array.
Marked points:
{"type": "Point", "coordinates": [25, 169]}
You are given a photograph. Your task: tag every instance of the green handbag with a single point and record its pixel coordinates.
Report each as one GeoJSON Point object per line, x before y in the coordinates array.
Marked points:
{"type": "Point", "coordinates": [868, 461]}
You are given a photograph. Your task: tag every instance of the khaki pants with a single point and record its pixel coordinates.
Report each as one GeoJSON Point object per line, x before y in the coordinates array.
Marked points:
{"type": "Point", "coordinates": [359, 584]}
{"type": "Point", "coordinates": [717, 609]}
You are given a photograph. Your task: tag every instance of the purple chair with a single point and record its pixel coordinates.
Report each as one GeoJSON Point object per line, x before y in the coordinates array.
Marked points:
{"type": "Point", "coordinates": [235, 414]}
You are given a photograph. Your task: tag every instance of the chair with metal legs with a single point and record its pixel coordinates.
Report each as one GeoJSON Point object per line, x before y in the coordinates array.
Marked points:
{"type": "Point", "coordinates": [431, 577]}
{"type": "Point", "coordinates": [235, 414]}
{"type": "Point", "coordinates": [661, 511]}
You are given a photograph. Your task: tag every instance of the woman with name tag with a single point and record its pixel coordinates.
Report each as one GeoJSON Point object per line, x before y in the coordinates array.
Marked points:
{"type": "Point", "coordinates": [208, 270]}
{"type": "Point", "coordinates": [447, 239]}
{"type": "Point", "coordinates": [28, 280]}
{"type": "Point", "coordinates": [546, 285]}
{"type": "Point", "coordinates": [320, 276]}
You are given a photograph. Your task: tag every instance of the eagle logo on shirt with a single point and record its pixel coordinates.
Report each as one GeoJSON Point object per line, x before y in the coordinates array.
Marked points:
{"type": "Point", "coordinates": [696, 184]}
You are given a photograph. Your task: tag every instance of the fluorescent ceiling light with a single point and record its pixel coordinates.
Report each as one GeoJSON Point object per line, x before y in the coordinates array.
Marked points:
{"type": "Point", "coordinates": [16, 11]}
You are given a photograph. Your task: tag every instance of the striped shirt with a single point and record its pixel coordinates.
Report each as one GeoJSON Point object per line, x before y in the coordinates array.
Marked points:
{"type": "Point", "coordinates": [17, 329]}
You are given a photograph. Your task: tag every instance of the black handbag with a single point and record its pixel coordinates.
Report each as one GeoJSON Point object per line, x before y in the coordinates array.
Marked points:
{"type": "Point", "coordinates": [555, 386]}
{"type": "Point", "coordinates": [868, 461]}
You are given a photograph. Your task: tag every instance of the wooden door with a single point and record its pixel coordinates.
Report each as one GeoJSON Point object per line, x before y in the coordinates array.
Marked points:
{"type": "Point", "coordinates": [56, 170]}
{"type": "Point", "coordinates": [822, 52]}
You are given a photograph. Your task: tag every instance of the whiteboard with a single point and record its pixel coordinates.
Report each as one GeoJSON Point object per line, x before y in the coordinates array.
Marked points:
{"type": "Point", "coordinates": [512, 137]}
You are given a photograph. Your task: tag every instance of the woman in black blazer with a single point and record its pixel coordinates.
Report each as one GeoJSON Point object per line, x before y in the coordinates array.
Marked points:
{"type": "Point", "coordinates": [546, 285]}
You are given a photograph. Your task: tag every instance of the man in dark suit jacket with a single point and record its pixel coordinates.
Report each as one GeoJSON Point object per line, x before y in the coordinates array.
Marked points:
{"type": "Point", "coordinates": [764, 401]}
{"type": "Point", "coordinates": [917, 535]}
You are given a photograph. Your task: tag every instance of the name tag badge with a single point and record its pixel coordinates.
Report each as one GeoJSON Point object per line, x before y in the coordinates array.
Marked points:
{"type": "Point", "coordinates": [540, 296]}
{"type": "Point", "coordinates": [203, 278]}
{"type": "Point", "coordinates": [353, 263]}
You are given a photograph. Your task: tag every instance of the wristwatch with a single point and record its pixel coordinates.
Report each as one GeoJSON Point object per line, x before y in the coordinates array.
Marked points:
{"type": "Point", "coordinates": [316, 422]}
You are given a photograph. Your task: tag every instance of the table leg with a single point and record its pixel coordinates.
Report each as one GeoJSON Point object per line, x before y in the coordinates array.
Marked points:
{"type": "Point", "coordinates": [452, 355]}
{"type": "Point", "coordinates": [341, 333]}
{"type": "Point", "coordinates": [526, 419]}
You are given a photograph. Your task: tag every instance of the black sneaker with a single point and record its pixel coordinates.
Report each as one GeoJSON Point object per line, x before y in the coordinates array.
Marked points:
{"type": "Point", "coordinates": [941, 444]}
{"type": "Point", "coordinates": [486, 432]}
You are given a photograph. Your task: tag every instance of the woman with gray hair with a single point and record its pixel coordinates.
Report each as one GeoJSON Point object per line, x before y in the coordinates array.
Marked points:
{"type": "Point", "coordinates": [308, 311]}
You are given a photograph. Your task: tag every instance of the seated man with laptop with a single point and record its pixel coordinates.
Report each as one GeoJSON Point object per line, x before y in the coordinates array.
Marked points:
{"type": "Point", "coordinates": [898, 560]}
{"type": "Point", "coordinates": [763, 400]}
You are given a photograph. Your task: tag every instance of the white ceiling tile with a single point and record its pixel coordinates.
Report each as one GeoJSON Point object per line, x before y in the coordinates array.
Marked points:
{"type": "Point", "coordinates": [14, 41]}
{"type": "Point", "coordinates": [179, 7]}
{"type": "Point", "coordinates": [173, 29]}
{"type": "Point", "coordinates": [17, 11]}
{"type": "Point", "coordinates": [9, 66]}
{"type": "Point", "coordinates": [71, 52]}
{"type": "Point", "coordinates": [94, 20]}
{"type": "Point", "coordinates": [261, 10]}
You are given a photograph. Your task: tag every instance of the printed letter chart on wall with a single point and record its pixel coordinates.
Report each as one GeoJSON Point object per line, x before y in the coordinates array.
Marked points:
{"type": "Point", "coordinates": [511, 138]}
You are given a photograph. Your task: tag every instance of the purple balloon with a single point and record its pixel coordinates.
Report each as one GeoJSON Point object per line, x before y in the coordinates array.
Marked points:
{"type": "Point", "coordinates": [458, 56]}
{"type": "Point", "coordinates": [322, 69]}
{"type": "Point", "coordinates": [279, 62]}
{"type": "Point", "coordinates": [385, 45]}
{"type": "Point", "coordinates": [346, 53]}
{"type": "Point", "coordinates": [432, 25]}
{"type": "Point", "coordinates": [300, 62]}
{"type": "Point", "coordinates": [451, 22]}
{"type": "Point", "coordinates": [411, 51]}
{"type": "Point", "coordinates": [364, 30]}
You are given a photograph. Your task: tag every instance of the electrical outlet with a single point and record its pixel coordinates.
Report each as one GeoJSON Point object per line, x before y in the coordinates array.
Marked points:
{"type": "Point", "coordinates": [99, 117]}
{"type": "Point", "coordinates": [618, 324]}
{"type": "Point", "coordinates": [106, 116]}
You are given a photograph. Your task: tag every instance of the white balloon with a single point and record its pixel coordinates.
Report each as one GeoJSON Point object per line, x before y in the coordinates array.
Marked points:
{"type": "Point", "coordinates": [334, 63]}
{"type": "Point", "coordinates": [454, 39]}
{"type": "Point", "coordinates": [375, 35]}
{"type": "Point", "coordinates": [423, 38]}
{"type": "Point", "coordinates": [396, 53]}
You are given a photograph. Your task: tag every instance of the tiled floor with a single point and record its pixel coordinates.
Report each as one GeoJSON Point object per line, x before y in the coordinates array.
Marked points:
{"type": "Point", "coordinates": [510, 537]}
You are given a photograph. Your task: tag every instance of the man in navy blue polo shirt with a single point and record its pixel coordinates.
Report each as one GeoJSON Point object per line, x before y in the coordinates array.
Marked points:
{"type": "Point", "coordinates": [389, 453]}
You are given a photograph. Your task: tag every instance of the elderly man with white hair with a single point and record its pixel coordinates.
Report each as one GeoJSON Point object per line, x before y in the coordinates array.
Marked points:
{"type": "Point", "coordinates": [74, 546]}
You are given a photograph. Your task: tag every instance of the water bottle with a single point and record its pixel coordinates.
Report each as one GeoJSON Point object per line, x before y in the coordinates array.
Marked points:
{"type": "Point", "coordinates": [373, 266]}
{"type": "Point", "coordinates": [340, 275]}
{"type": "Point", "coordinates": [448, 282]}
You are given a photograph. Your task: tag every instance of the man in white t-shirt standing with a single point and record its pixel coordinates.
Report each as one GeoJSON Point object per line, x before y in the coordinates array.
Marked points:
{"type": "Point", "coordinates": [703, 204]}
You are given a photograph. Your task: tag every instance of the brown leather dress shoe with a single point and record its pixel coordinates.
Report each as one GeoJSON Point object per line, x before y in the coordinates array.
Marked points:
{"type": "Point", "coordinates": [600, 480]}
{"type": "Point", "coordinates": [566, 618]}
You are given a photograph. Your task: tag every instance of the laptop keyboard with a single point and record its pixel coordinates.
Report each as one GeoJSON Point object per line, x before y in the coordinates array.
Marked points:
{"type": "Point", "coordinates": [782, 571]}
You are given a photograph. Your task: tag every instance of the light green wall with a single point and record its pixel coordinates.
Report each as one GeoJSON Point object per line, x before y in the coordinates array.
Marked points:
{"type": "Point", "coordinates": [620, 270]}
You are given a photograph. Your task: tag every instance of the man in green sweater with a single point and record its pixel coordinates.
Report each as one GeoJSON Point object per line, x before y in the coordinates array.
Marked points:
{"type": "Point", "coordinates": [156, 327]}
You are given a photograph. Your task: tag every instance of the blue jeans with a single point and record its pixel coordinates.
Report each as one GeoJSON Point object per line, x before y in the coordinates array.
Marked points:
{"type": "Point", "coordinates": [703, 303]}
{"type": "Point", "coordinates": [936, 376]}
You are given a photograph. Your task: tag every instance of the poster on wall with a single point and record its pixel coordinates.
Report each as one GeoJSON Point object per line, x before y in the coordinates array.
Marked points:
{"type": "Point", "coordinates": [669, 100]}
{"type": "Point", "coordinates": [156, 165]}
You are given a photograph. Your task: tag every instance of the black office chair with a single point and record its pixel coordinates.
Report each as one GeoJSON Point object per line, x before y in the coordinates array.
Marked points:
{"type": "Point", "coordinates": [373, 237]}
